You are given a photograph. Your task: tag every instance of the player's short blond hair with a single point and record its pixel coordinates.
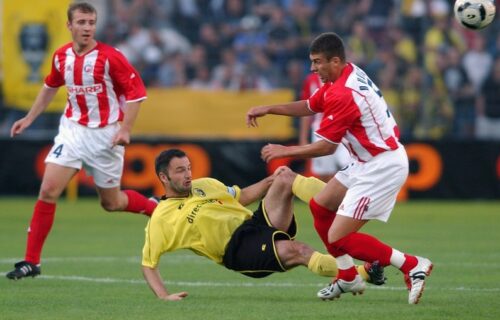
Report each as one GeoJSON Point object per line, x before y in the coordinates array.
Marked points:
{"type": "Point", "coordinates": [81, 6]}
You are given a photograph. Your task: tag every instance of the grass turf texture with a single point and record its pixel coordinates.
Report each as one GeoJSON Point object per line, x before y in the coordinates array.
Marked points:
{"type": "Point", "coordinates": [91, 270]}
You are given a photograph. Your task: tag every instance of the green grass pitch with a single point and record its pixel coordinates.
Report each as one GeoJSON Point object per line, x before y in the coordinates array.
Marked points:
{"type": "Point", "coordinates": [91, 270]}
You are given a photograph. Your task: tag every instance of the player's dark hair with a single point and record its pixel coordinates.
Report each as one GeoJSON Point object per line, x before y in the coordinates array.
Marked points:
{"type": "Point", "coordinates": [329, 44]}
{"type": "Point", "coordinates": [80, 6]}
{"type": "Point", "coordinates": [163, 159]}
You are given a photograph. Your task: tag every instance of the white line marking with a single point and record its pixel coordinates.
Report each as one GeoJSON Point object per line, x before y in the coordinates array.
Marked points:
{"type": "Point", "coordinates": [182, 258]}
{"type": "Point", "coordinates": [238, 284]}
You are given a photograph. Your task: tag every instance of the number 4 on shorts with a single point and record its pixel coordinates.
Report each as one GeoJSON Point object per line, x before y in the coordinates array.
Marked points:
{"type": "Point", "coordinates": [58, 151]}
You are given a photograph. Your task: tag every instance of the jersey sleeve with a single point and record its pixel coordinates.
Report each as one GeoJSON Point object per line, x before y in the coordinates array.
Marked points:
{"type": "Point", "coordinates": [54, 79]}
{"type": "Point", "coordinates": [126, 78]}
{"type": "Point", "coordinates": [315, 102]}
{"type": "Point", "coordinates": [153, 244]}
{"type": "Point", "coordinates": [237, 192]}
{"type": "Point", "coordinates": [338, 117]}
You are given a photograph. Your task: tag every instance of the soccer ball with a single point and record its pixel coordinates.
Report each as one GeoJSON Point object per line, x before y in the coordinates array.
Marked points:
{"type": "Point", "coordinates": [474, 14]}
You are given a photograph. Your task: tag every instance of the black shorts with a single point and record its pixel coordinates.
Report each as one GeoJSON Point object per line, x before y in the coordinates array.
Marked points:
{"type": "Point", "coordinates": [251, 249]}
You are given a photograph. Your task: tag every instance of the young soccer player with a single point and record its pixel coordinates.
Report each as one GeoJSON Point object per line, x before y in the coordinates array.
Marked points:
{"type": "Point", "coordinates": [103, 89]}
{"type": "Point", "coordinates": [355, 114]}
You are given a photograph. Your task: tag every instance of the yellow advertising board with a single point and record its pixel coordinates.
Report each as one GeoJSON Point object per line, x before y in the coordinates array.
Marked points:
{"type": "Point", "coordinates": [187, 113]}
{"type": "Point", "coordinates": [32, 31]}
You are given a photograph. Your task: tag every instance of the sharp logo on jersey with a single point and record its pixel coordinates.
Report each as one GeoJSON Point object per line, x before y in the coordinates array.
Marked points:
{"type": "Point", "coordinates": [95, 88]}
{"type": "Point", "coordinates": [263, 247]}
{"type": "Point", "coordinates": [199, 192]}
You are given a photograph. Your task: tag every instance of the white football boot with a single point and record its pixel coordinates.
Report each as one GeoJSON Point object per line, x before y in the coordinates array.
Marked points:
{"type": "Point", "coordinates": [415, 279]}
{"type": "Point", "coordinates": [339, 286]}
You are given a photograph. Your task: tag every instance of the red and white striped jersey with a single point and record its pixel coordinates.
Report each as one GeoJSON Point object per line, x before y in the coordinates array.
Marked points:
{"type": "Point", "coordinates": [98, 83]}
{"type": "Point", "coordinates": [356, 114]}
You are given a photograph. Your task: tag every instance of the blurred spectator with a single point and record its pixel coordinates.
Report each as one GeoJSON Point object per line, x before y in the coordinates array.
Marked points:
{"type": "Point", "coordinates": [488, 107]}
{"type": "Point", "coordinates": [462, 94]}
{"type": "Point", "coordinates": [172, 71]}
{"type": "Point", "coordinates": [281, 38]}
{"type": "Point", "coordinates": [411, 101]}
{"type": "Point", "coordinates": [212, 43]}
{"type": "Point", "coordinates": [229, 73]}
{"type": "Point", "coordinates": [201, 80]}
{"type": "Point", "coordinates": [251, 37]}
{"type": "Point", "coordinates": [409, 47]}
{"type": "Point", "coordinates": [440, 37]}
{"type": "Point", "coordinates": [362, 46]}
{"type": "Point", "coordinates": [477, 62]}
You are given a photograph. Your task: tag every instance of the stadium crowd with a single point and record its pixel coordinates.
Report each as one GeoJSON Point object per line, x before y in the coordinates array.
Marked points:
{"type": "Point", "coordinates": [439, 79]}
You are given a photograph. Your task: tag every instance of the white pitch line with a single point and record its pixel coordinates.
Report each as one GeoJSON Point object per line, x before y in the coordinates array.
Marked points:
{"type": "Point", "coordinates": [239, 284]}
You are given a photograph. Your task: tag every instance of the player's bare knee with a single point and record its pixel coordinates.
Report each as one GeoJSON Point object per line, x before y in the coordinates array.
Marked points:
{"type": "Point", "coordinates": [285, 181]}
{"type": "Point", "coordinates": [109, 206]}
{"type": "Point", "coordinates": [49, 193]}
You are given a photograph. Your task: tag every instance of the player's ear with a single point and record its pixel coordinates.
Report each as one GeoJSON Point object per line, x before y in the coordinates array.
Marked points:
{"type": "Point", "coordinates": [163, 177]}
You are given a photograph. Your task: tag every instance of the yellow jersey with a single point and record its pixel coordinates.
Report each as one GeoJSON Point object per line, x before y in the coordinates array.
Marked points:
{"type": "Point", "coordinates": [203, 222]}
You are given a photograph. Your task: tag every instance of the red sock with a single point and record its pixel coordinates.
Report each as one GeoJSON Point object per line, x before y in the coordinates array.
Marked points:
{"type": "Point", "coordinates": [138, 203]}
{"type": "Point", "coordinates": [363, 247]}
{"type": "Point", "coordinates": [323, 219]}
{"type": "Point", "coordinates": [41, 223]}
{"type": "Point", "coordinates": [347, 274]}
{"type": "Point", "coordinates": [410, 263]}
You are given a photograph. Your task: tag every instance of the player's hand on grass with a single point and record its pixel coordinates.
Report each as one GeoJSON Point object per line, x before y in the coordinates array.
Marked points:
{"type": "Point", "coordinates": [175, 296]}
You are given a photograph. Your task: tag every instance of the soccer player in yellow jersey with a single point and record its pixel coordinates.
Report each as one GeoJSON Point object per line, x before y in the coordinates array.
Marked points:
{"type": "Point", "coordinates": [210, 218]}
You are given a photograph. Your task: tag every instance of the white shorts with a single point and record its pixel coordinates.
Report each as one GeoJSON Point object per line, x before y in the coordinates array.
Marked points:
{"type": "Point", "coordinates": [330, 164]}
{"type": "Point", "coordinates": [76, 146]}
{"type": "Point", "coordinates": [373, 186]}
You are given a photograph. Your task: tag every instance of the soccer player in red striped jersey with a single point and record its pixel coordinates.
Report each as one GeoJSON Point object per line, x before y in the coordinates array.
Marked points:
{"type": "Point", "coordinates": [356, 115]}
{"type": "Point", "coordinates": [104, 93]}
{"type": "Point", "coordinates": [323, 167]}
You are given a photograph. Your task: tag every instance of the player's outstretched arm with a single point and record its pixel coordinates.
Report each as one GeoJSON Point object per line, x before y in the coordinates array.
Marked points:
{"type": "Point", "coordinates": [294, 109]}
{"type": "Point", "coordinates": [316, 149]}
{"type": "Point", "coordinates": [41, 103]}
{"type": "Point", "coordinates": [155, 282]}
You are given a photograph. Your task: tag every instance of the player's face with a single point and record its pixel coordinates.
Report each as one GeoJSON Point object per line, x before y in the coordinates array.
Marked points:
{"type": "Point", "coordinates": [82, 28]}
{"type": "Point", "coordinates": [327, 69]}
{"type": "Point", "coordinates": [179, 175]}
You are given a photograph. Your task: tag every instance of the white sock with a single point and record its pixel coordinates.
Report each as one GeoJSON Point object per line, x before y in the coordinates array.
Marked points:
{"type": "Point", "coordinates": [344, 262]}
{"type": "Point", "coordinates": [397, 258]}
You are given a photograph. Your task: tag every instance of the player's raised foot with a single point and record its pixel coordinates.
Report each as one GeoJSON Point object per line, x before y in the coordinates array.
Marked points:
{"type": "Point", "coordinates": [415, 279]}
{"type": "Point", "coordinates": [375, 272]}
{"type": "Point", "coordinates": [339, 286]}
{"type": "Point", "coordinates": [24, 269]}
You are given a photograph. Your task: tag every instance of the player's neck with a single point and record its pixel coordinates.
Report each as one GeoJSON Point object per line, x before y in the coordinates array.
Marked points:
{"type": "Point", "coordinates": [169, 193]}
{"type": "Point", "coordinates": [81, 50]}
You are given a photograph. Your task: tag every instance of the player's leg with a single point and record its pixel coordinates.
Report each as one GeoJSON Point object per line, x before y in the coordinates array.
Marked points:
{"type": "Point", "coordinates": [55, 180]}
{"type": "Point", "coordinates": [296, 253]}
{"type": "Point", "coordinates": [373, 197]}
{"type": "Point", "coordinates": [106, 167]}
{"type": "Point", "coordinates": [278, 200]}
{"type": "Point", "coordinates": [324, 206]}
{"type": "Point", "coordinates": [114, 199]}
